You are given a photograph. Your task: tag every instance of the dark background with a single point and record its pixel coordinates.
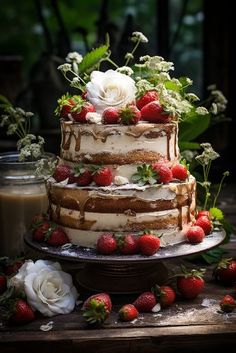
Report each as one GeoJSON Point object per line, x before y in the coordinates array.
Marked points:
{"type": "Point", "coordinates": [35, 37]}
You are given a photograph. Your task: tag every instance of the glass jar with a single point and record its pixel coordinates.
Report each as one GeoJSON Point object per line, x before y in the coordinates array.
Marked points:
{"type": "Point", "coordinates": [22, 196]}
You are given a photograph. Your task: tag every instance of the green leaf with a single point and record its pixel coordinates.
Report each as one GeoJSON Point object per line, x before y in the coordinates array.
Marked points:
{"type": "Point", "coordinates": [185, 145]}
{"type": "Point", "coordinates": [214, 255]}
{"type": "Point", "coordinates": [216, 213]}
{"type": "Point", "coordinates": [92, 58]}
{"type": "Point", "coordinates": [193, 126]}
{"type": "Point", "coordinates": [172, 86]}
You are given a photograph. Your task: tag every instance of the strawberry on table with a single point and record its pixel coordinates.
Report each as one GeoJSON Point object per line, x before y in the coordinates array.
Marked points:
{"type": "Point", "coordinates": [103, 176]}
{"type": "Point", "coordinates": [205, 223]}
{"type": "Point", "coordinates": [128, 312]}
{"type": "Point", "coordinates": [128, 244]}
{"type": "Point", "coordinates": [130, 115]}
{"type": "Point", "coordinates": [149, 244]}
{"type": "Point", "coordinates": [111, 116]}
{"type": "Point", "coordinates": [164, 173]}
{"type": "Point", "coordinates": [145, 302]}
{"type": "Point", "coordinates": [195, 234]}
{"type": "Point", "coordinates": [225, 271]}
{"type": "Point", "coordinates": [97, 308]}
{"type": "Point", "coordinates": [21, 312]}
{"type": "Point", "coordinates": [82, 176]}
{"type": "Point", "coordinates": [227, 303]}
{"type": "Point", "coordinates": [106, 244]}
{"type": "Point", "coordinates": [3, 283]}
{"type": "Point", "coordinates": [154, 113]}
{"type": "Point", "coordinates": [179, 172]}
{"type": "Point", "coordinates": [13, 266]}
{"type": "Point", "coordinates": [148, 97]}
{"type": "Point", "coordinates": [165, 295]}
{"type": "Point", "coordinates": [190, 283]}
{"type": "Point", "coordinates": [63, 172]}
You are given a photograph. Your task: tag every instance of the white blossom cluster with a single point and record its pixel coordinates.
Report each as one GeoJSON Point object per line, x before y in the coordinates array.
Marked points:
{"type": "Point", "coordinates": [208, 154]}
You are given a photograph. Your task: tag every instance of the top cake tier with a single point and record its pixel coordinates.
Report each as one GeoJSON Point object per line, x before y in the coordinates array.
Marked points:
{"type": "Point", "coordinates": [119, 144]}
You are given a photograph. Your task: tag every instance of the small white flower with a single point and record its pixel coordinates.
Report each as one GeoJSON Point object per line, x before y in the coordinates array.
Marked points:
{"type": "Point", "coordinates": [129, 56]}
{"type": "Point", "coordinates": [110, 89]}
{"type": "Point", "coordinates": [214, 109]}
{"type": "Point", "coordinates": [139, 36]}
{"type": "Point", "coordinates": [125, 70]}
{"type": "Point", "coordinates": [189, 81]}
{"type": "Point", "coordinates": [74, 57]}
{"type": "Point", "coordinates": [48, 289]}
{"type": "Point", "coordinates": [201, 111]}
{"type": "Point", "coordinates": [192, 97]}
{"type": "Point", "coordinates": [64, 68]}
{"type": "Point", "coordinates": [144, 58]}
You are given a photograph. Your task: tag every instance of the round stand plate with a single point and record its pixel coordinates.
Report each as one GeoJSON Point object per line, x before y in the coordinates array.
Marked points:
{"type": "Point", "coordinates": [123, 273]}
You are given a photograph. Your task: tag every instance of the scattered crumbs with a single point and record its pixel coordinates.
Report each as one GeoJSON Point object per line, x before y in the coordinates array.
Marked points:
{"type": "Point", "coordinates": [157, 315]}
{"type": "Point", "coordinates": [208, 302]}
{"type": "Point", "coordinates": [66, 246]}
{"type": "Point", "coordinates": [134, 321]}
{"type": "Point", "coordinates": [47, 327]}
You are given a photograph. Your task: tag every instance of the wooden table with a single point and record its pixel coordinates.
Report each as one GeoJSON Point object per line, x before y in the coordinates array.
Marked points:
{"type": "Point", "coordinates": [187, 326]}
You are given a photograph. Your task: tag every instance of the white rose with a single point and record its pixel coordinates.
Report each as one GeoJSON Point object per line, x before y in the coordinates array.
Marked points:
{"type": "Point", "coordinates": [48, 289]}
{"type": "Point", "coordinates": [110, 89]}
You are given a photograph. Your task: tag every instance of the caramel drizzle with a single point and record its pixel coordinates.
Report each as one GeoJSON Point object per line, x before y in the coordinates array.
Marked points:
{"type": "Point", "coordinates": [175, 141]}
{"type": "Point", "coordinates": [168, 137]}
{"type": "Point", "coordinates": [180, 217]}
{"type": "Point", "coordinates": [138, 131]}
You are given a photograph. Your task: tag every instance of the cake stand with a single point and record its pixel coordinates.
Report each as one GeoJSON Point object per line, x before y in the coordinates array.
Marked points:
{"type": "Point", "coordinates": [125, 274]}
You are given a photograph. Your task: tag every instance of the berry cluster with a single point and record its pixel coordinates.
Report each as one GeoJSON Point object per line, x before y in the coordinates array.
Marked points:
{"type": "Point", "coordinates": [146, 244]}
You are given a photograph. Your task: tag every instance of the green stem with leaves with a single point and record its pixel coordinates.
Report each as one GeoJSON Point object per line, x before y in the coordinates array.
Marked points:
{"type": "Point", "coordinates": [133, 51]}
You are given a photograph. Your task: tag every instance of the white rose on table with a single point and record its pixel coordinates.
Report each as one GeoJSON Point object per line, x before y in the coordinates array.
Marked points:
{"type": "Point", "coordinates": [48, 289]}
{"type": "Point", "coordinates": [110, 89]}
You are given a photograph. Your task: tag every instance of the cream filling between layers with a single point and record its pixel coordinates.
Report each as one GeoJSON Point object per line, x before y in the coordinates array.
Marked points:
{"type": "Point", "coordinates": [117, 222]}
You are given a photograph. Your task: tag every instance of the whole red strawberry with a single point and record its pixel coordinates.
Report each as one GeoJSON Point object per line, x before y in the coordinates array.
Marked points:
{"type": "Point", "coordinates": [13, 266]}
{"type": "Point", "coordinates": [203, 213]}
{"type": "Point", "coordinates": [97, 308]}
{"type": "Point", "coordinates": [145, 302]}
{"type": "Point", "coordinates": [63, 172]}
{"type": "Point", "coordinates": [3, 283]}
{"type": "Point", "coordinates": [205, 223]}
{"type": "Point", "coordinates": [130, 115]}
{"type": "Point", "coordinates": [21, 312]}
{"type": "Point", "coordinates": [57, 237]}
{"type": "Point", "coordinates": [82, 176]}
{"type": "Point", "coordinates": [40, 231]}
{"type": "Point", "coordinates": [128, 312]}
{"type": "Point", "coordinates": [106, 244]}
{"type": "Point", "coordinates": [191, 283]}
{"type": "Point", "coordinates": [39, 219]}
{"type": "Point", "coordinates": [148, 97]}
{"type": "Point", "coordinates": [225, 271]}
{"type": "Point", "coordinates": [179, 172]}
{"type": "Point", "coordinates": [148, 244]}
{"type": "Point", "coordinates": [65, 105]}
{"type": "Point", "coordinates": [227, 303]}
{"type": "Point", "coordinates": [128, 244]}
{"type": "Point", "coordinates": [154, 113]}
{"type": "Point", "coordinates": [111, 116]}
{"type": "Point", "coordinates": [103, 177]}
{"type": "Point", "coordinates": [195, 234]}
{"type": "Point", "coordinates": [165, 295]}
{"type": "Point", "coordinates": [80, 110]}
{"type": "Point", "coordinates": [164, 173]}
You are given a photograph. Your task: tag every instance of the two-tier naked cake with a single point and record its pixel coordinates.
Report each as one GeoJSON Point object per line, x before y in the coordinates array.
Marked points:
{"type": "Point", "coordinates": [119, 169]}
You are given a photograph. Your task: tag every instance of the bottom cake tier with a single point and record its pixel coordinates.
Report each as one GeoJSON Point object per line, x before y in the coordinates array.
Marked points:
{"type": "Point", "coordinates": [87, 212]}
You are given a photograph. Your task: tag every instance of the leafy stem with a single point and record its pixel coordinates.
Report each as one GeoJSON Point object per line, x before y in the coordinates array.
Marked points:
{"type": "Point", "coordinates": [225, 174]}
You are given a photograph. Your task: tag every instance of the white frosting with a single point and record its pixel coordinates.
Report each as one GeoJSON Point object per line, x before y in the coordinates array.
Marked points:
{"type": "Point", "coordinates": [120, 180]}
{"type": "Point", "coordinates": [118, 141]}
